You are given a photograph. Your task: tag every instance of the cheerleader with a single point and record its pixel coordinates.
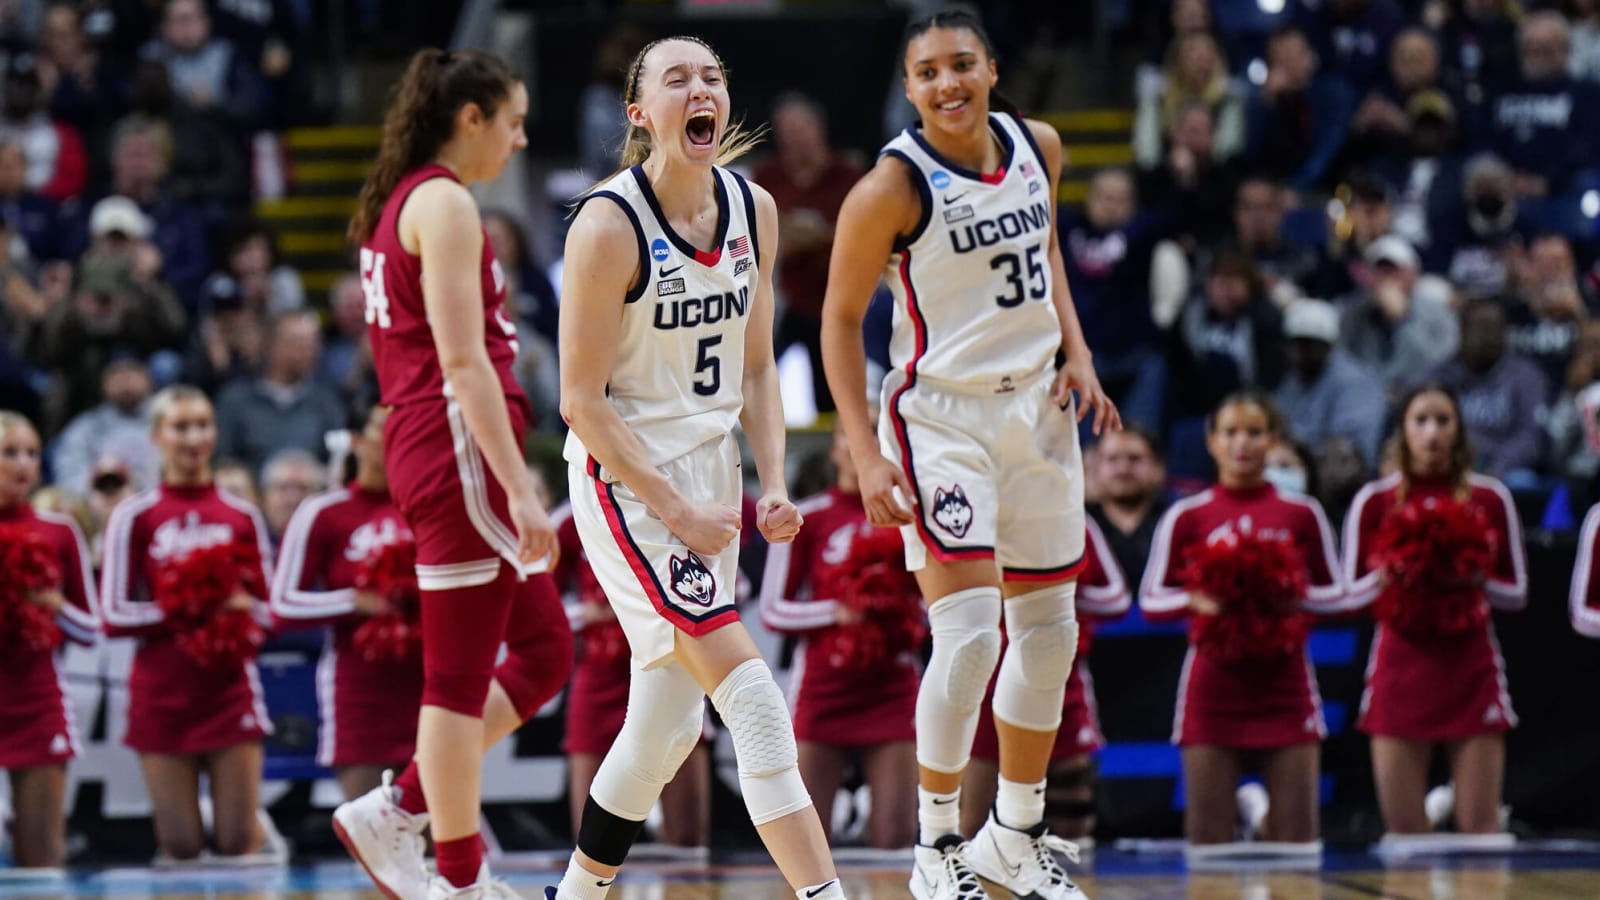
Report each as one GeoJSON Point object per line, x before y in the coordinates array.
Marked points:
{"type": "Point", "coordinates": [186, 719]}
{"type": "Point", "coordinates": [1103, 596]}
{"type": "Point", "coordinates": [1584, 601]}
{"type": "Point", "coordinates": [37, 731]}
{"type": "Point", "coordinates": [597, 700]}
{"type": "Point", "coordinates": [368, 708]}
{"type": "Point", "coordinates": [845, 707]}
{"type": "Point", "coordinates": [1435, 676]}
{"type": "Point", "coordinates": [1255, 703]}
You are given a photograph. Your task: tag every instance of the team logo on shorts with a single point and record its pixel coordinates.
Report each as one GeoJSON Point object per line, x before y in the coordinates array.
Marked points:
{"type": "Point", "coordinates": [692, 581]}
{"type": "Point", "coordinates": [951, 510]}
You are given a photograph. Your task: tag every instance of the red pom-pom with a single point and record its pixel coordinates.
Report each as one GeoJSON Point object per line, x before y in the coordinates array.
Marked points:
{"type": "Point", "coordinates": [394, 635]}
{"type": "Point", "coordinates": [1257, 584]}
{"type": "Point", "coordinates": [30, 565]}
{"type": "Point", "coordinates": [873, 582]}
{"type": "Point", "coordinates": [194, 591]}
{"type": "Point", "coordinates": [1433, 556]}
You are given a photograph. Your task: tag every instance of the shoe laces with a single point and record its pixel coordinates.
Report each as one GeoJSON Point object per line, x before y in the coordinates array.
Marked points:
{"type": "Point", "coordinates": [1045, 847]}
{"type": "Point", "coordinates": [959, 874]}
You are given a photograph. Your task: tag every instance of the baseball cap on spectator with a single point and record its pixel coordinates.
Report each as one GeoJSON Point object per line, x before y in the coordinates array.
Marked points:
{"type": "Point", "coordinates": [1392, 250]}
{"type": "Point", "coordinates": [115, 215]}
{"type": "Point", "coordinates": [1315, 320]}
{"type": "Point", "coordinates": [221, 292]}
{"type": "Point", "coordinates": [124, 358]}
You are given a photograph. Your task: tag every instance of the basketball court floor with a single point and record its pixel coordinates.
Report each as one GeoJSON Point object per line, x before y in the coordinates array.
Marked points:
{"type": "Point", "coordinates": [1545, 872]}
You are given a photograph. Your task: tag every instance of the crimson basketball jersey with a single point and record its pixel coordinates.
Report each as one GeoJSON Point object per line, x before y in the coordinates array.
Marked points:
{"type": "Point", "coordinates": [403, 352]}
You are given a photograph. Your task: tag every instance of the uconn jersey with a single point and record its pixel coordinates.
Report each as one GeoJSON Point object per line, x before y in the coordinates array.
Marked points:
{"type": "Point", "coordinates": [972, 285]}
{"type": "Point", "coordinates": [680, 354]}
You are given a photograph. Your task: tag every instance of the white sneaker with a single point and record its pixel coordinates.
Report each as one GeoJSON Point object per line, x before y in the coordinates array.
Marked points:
{"type": "Point", "coordinates": [386, 840]}
{"type": "Point", "coordinates": [941, 872]}
{"type": "Point", "coordinates": [1024, 862]}
{"type": "Point", "coordinates": [1440, 804]}
{"type": "Point", "coordinates": [485, 888]}
{"type": "Point", "coordinates": [1252, 803]}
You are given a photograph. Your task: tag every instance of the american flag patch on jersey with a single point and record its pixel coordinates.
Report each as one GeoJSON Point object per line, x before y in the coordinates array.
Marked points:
{"type": "Point", "coordinates": [1028, 170]}
{"type": "Point", "coordinates": [739, 246]}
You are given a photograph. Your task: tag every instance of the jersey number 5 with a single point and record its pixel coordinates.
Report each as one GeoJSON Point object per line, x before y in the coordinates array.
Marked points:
{"type": "Point", "coordinates": [1038, 280]}
{"type": "Point", "coordinates": [710, 365]}
{"type": "Point", "coordinates": [372, 287]}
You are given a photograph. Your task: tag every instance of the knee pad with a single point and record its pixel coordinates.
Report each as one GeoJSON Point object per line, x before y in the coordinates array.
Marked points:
{"type": "Point", "coordinates": [966, 644]}
{"type": "Point", "coordinates": [753, 709]}
{"type": "Point", "coordinates": [462, 693]}
{"type": "Point", "coordinates": [665, 719]}
{"type": "Point", "coordinates": [1043, 629]}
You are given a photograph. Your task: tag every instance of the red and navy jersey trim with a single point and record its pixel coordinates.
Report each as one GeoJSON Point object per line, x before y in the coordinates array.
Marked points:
{"type": "Point", "coordinates": [1008, 148]}
{"type": "Point", "coordinates": [703, 257]}
{"type": "Point", "coordinates": [1054, 573]}
{"type": "Point", "coordinates": [920, 182]}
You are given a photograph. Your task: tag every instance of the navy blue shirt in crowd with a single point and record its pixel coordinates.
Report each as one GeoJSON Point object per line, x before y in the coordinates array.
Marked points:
{"type": "Point", "coordinates": [1109, 274]}
{"type": "Point", "coordinates": [1545, 129]}
{"type": "Point", "coordinates": [1355, 48]}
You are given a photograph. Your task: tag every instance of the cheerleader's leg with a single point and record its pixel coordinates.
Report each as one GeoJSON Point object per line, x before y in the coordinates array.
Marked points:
{"type": "Point", "coordinates": [354, 781]}
{"type": "Point", "coordinates": [1400, 774]}
{"type": "Point", "coordinates": [1210, 775]}
{"type": "Point", "coordinates": [38, 834]}
{"type": "Point", "coordinates": [235, 798]}
{"type": "Point", "coordinates": [891, 771]}
{"type": "Point", "coordinates": [174, 785]}
{"type": "Point", "coordinates": [822, 769]}
{"type": "Point", "coordinates": [1290, 774]}
{"type": "Point", "coordinates": [1478, 765]}
{"type": "Point", "coordinates": [686, 802]}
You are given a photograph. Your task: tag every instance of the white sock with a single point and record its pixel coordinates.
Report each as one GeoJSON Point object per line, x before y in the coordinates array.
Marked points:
{"type": "Point", "coordinates": [938, 814]}
{"type": "Point", "coordinates": [581, 884]}
{"type": "Point", "coordinates": [1019, 805]}
{"type": "Point", "coordinates": [828, 890]}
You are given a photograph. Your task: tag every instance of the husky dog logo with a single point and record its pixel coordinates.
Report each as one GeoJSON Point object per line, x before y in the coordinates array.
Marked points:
{"type": "Point", "coordinates": [692, 581]}
{"type": "Point", "coordinates": [952, 511]}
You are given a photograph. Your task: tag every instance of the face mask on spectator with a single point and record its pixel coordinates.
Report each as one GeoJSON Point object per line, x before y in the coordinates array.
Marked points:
{"type": "Point", "coordinates": [1286, 479]}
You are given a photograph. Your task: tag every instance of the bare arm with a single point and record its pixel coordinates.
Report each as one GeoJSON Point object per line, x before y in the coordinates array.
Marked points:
{"type": "Point", "coordinates": [762, 415]}
{"type": "Point", "coordinates": [881, 207]}
{"type": "Point", "coordinates": [441, 221]}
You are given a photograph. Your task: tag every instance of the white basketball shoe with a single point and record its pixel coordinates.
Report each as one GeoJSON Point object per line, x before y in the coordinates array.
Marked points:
{"type": "Point", "coordinates": [941, 872]}
{"type": "Point", "coordinates": [485, 888]}
{"type": "Point", "coordinates": [1024, 862]}
{"type": "Point", "coordinates": [386, 840]}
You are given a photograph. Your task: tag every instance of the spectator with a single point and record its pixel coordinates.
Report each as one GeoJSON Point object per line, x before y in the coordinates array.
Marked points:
{"type": "Point", "coordinates": [1502, 397]}
{"type": "Point", "coordinates": [1327, 394]}
{"type": "Point", "coordinates": [1480, 47]}
{"type": "Point", "coordinates": [1107, 249]}
{"type": "Point", "coordinates": [1291, 469]}
{"type": "Point", "coordinates": [206, 73]}
{"type": "Point", "coordinates": [601, 124]}
{"type": "Point", "coordinates": [1543, 123]}
{"type": "Point", "coordinates": [1197, 187]}
{"type": "Point", "coordinates": [267, 287]}
{"type": "Point", "coordinates": [1196, 73]}
{"type": "Point", "coordinates": [266, 35]}
{"type": "Point", "coordinates": [346, 354]}
{"type": "Point", "coordinates": [118, 431]}
{"type": "Point", "coordinates": [1574, 426]}
{"type": "Point", "coordinates": [1392, 325]}
{"type": "Point", "coordinates": [532, 300]}
{"type": "Point", "coordinates": [1258, 216]}
{"type": "Point", "coordinates": [58, 165]}
{"type": "Point", "coordinates": [208, 168]}
{"type": "Point", "coordinates": [119, 304]}
{"type": "Point", "coordinates": [110, 483]}
{"type": "Point", "coordinates": [21, 305]}
{"type": "Point", "coordinates": [1131, 480]}
{"type": "Point", "coordinates": [1368, 216]}
{"type": "Point", "coordinates": [283, 408]}
{"type": "Point", "coordinates": [1341, 473]}
{"type": "Point", "coordinates": [229, 343]}
{"type": "Point", "coordinates": [287, 479]}
{"type": "Point", "coordinates": [82, 89]}
{"type": "Point", "coordinates": [1382, 124]}
{"type": "Point", "coordinates": [1426, 173]}
{"type": "Point", "coordinates": [25, 212]}
{"type": "Point", "coordinates": [1187, 17]}
{"type": "Point", "coordinates": [808, 179]}
{"type": "Point", "coordinates": [1479, 248]}
{"type": "Point", "coordinates": [1299, 116]}
{"type": "Point", "coordinates": [236, 479]}
{"type": "Point", "coordinates": [1549, 307]}
{"type": "Point", "coordinates": [1228, 338]}
{"type": "Point", "coordinates": [1583, 62]}
{"type": "Point", "coordinates": [1352, 38]}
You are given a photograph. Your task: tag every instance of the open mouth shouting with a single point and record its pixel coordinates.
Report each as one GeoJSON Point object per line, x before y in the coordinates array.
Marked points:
{"type": "Point", "coordinates": [702, 128]}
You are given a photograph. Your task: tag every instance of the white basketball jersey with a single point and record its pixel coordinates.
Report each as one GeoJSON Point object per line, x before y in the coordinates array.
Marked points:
{"type": "Point", "coordinates": [680, 355]}
{"type": "Point", "coordinates": [972, 285]}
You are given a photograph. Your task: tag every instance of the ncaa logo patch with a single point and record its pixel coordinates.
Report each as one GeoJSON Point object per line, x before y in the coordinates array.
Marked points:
{"type": "Point", "coordinates": [940, 179]}
{"type": "Point", "coordinates": [659, 249]}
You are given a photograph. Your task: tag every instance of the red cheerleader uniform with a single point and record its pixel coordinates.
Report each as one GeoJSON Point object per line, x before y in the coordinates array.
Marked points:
{"type": "Point", "coordinates": [597, 697]}
{"type": "Point", "coordinates": [1255, 704]}
{"type": "Point", "coordinates": [36, 724]}
{"type": "Point", "coordinates": [177, 706]}
{"type": "Point", "coordinates": [834, 701]}
{"type": "Point", "coordinates": [1584, 601]}
{"type": "Point", "coordinates": [368, 708]}
{"type": "Point", "coordinates": [1442, 688]}
{"type": "Point", "coordinates": [1102, 596]}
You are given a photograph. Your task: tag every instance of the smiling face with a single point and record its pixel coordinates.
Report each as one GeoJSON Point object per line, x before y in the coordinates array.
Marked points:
{"type": "Point", "coordinates": [948, 77]}
{"type": "Point", "coordinates": [681, 99]}
{"type": "Point", "coordinates": [186, 435]}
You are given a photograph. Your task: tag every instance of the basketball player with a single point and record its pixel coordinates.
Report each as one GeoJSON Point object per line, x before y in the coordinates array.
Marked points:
{"type": "Point", "coordinates": [1437, 690]}
{"type": "Point", "coordinates": [37, 732]}
{"type": "Point", "coordinates": [668, 269]}
{"type": "Point", "coordinates": [185, 720]}
{"type": "Point", "coordinates": [1268, 708]}
{"type": "Point", "coordinates": [442, 348]}
{"type": "Point", "coordinates": [978, 437]}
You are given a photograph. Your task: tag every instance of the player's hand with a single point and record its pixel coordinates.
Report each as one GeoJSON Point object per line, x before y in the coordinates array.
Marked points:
{"type": "Point", "coordinates": [1078, 375]}
{"type": "Point", "coordinates": [707, 529]}
{"type": "Point", "coordinates": [536, 536]}
{"type": "Point", "coordinates": [777, 518]}
{"type": "Point", "coordinates": [880, 479]}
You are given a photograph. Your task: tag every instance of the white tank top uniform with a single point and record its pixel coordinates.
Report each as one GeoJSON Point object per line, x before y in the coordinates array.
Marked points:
{"type": "Point", "coordinates": [966, 404]}
{"type": "Point", "coordinates": [676, 383]}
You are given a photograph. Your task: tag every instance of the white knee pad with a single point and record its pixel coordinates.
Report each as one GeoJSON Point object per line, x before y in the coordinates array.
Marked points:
{"type": "Point", "coordinates": [1043, 629]}
{"type": "Point", "coordinates": [666, 711]}
{"type": "Point", "coordinates": [757, 717]}
{"type": "Point", "coordinates": [966, 644]}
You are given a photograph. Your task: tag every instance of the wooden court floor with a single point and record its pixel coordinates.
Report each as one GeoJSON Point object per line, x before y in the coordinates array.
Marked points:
{"type": "Point", "coordinates": [1355, 877]}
